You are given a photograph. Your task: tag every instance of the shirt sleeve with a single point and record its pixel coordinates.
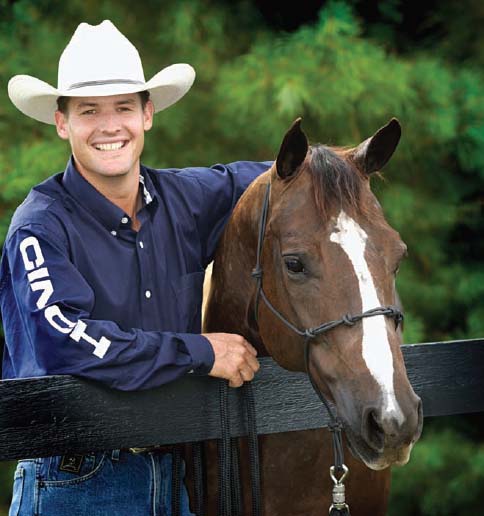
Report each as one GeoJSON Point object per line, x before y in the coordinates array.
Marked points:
{"type": "Point", "coordinates": [49, 330]}
{"type": "Point", "coordinates": [222, 186]}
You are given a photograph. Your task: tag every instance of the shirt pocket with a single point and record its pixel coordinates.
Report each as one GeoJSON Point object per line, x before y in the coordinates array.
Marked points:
{"type": "Point", "coordinates": [189, 294]}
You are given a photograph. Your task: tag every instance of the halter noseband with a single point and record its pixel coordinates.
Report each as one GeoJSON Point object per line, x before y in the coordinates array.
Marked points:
{"type": "Point", "coordinates": [310, 333]}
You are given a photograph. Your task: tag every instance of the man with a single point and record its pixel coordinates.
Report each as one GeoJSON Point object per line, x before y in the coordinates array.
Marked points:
{"type": "Point", "coordinates": [103, 265]}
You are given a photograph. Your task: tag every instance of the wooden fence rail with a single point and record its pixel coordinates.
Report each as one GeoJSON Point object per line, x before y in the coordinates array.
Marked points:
{"type": "Point", "coordinates": [54, 415]}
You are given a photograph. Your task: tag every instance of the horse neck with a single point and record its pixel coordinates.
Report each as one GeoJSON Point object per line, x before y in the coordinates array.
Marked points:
{"type": "Point", "coordinates": [230, 305]}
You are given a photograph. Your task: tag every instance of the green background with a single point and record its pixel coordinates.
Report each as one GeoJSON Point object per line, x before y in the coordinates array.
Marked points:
{"type": "Point", "coordinates": [346, 67]}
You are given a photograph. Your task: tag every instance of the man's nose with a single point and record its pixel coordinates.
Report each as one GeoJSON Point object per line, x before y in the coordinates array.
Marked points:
{"type": "Point", "coordinates": [110, 123]}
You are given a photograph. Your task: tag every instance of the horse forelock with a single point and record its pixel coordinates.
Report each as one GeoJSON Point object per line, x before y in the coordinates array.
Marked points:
{"type": "Point", "coordinates": [337, 183]}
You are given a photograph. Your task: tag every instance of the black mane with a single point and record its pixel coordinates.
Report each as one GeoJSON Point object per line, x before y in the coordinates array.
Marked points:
{"type": "Point", "coordinates": [337, 182]}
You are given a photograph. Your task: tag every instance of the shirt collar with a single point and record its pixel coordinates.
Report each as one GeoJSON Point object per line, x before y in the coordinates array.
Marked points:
{"type": "Point", "coordinates": [148, 190]}
{"type": "Point", "coordinates": [110, 215]}
{"type": "Point", "coordinates": [147, 187]}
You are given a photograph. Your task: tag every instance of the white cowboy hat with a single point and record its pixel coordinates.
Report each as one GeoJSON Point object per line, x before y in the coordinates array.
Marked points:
{"type": "Point", "coordinates": [98, 61]}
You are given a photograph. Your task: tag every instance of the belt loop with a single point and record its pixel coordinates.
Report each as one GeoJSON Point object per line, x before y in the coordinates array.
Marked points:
{"type": "Point", "coordinates": [115, 455]}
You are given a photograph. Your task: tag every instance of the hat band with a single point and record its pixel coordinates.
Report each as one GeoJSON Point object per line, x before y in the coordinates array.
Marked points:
{"type": "Point", "coordinates": [101, 83]}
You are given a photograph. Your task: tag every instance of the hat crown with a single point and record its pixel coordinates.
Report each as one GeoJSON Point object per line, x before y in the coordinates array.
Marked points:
{"type": "Point", "coordinates": [98, 53]}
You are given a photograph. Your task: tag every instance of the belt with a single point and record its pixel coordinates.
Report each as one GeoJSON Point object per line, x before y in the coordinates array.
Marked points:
{"type": "Point", "coordinates": [167, 448]}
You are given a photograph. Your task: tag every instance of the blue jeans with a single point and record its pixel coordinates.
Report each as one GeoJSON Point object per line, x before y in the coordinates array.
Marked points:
{"type": "Point", "coordinates": [106, 484]}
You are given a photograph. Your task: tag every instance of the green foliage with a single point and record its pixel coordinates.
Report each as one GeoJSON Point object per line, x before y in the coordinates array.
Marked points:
{"type": "Point", "coordinates": [22, 166]}
{"type": "Point", "coordinates": [445, 476]}
{"type": "Point", "coordinates": [346, 87]}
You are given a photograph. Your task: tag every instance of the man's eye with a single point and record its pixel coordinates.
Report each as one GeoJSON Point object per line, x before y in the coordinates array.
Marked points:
{"type": "Point", "coordinates": [89, 112]}
{"type": "Point", "coordinates": [294, 265]}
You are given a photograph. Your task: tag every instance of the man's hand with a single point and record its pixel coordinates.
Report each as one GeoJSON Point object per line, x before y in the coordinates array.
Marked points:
{"type": "Point", "coordinates": [234, 358]}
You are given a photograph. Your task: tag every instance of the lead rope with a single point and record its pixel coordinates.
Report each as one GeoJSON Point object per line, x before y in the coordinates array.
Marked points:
{"type": "Point", "coordinates": [253, 444]}
{"type": "Point", "coordinates": [339, 507]}
{"type": "Point", "coordinates": [235, 485]}
{"type": "Point", "coordinates": [229, 485]}
{"type": "Point", "coordinates": [224, 462]}
{"type": "Point", "coordinates": [198, 478]}
{"type": "Point", "coordinates": [176, 491]}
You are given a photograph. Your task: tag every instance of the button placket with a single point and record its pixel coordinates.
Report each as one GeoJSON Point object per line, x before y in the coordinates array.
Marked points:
{"type": "Point", "coordinates": [143, 257]}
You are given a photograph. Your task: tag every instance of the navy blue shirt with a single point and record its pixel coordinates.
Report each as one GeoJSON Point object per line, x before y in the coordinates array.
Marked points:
{"type": "Point", "coordinates": [81, 293]}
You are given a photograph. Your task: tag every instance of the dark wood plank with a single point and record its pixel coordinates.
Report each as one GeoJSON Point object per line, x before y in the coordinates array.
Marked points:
{"type": "Point", "coordinates": [55, 414]}
{"type": "Point", "coordinates": [448, 376]}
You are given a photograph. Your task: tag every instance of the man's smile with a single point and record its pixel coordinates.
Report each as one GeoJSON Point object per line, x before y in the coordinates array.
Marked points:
{"type": "Point", "coordinates": [111, 146]}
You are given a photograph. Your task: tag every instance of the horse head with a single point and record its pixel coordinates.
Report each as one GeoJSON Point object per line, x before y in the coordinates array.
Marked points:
{"type": "Point", "coordinates": [327, 254]}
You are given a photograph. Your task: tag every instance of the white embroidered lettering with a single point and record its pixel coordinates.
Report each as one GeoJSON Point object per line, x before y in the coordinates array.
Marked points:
{"type": "Point", "coordinates": [53, 311]}
{"type": "Point", "coordinates": [38, 274]}
{"type": "Point", "coordinates": [47, 291]}
{"type": "Point", "coordinates": [100, 347]}
{"type": "Point", "coordinates": [39, 257]}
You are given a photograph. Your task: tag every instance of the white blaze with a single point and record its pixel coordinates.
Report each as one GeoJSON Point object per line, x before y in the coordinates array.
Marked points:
{"type": "Point", "coordinates": [376, 347]}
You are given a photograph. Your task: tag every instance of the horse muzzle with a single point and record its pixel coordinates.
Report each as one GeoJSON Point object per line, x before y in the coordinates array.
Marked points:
{"type": "Point", "coordinates": [382, 439]}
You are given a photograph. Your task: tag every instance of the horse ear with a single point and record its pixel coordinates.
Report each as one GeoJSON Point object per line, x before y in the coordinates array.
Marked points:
{"type": "Point", "coordinates": [374, 153]}
{"type": "Point", "coordinates": [293, 150]}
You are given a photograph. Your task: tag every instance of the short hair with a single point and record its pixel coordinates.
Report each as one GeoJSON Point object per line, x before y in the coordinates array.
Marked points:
{"type": "Point", "coordinates": [63, 102]}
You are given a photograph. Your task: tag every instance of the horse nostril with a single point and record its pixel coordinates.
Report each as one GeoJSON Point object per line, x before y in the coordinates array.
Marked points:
{"type": "Point", "coordinates": [372, 431]}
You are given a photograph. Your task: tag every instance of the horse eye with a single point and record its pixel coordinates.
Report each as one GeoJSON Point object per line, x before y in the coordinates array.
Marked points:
{"type": "Point", "coordinates": [294, 265]}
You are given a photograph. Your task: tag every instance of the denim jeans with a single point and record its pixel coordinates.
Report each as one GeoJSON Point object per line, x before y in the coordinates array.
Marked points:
{"type": "Point", "coordinates": [106, 484]}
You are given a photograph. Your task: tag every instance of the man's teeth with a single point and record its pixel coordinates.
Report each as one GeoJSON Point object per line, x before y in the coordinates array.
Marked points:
{"type": "Point", "coordinates": [109, 146]}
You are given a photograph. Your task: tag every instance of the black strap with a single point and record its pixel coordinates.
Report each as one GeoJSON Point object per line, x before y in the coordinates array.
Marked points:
{"type": "Point", "coordinates": [176, 481]}
{"type": "Point", "coordinates": [198, 478]}
{"type": "Point", "coordinates": [335, 426]}
{"type": "Point", "coordinates": [230, 501]}
{"type": "Point", "coordinates": [347, 320]}
{"type": "Point", "coordinates": [253, 444]}
{"type": "Point", "coordinates": [257, 271]}
{"type": "Point", "coordinates": [235, 483]}
{"type": "Point", "coordinates": [224, 455]}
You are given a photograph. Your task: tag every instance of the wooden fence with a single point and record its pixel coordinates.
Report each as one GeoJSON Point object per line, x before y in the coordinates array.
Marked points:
{"type": "Point", "coordinates": [54, 415]}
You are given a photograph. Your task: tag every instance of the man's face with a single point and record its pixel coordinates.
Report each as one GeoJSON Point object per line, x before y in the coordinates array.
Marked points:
{"type": "Point", "coordinates": [106, 134]}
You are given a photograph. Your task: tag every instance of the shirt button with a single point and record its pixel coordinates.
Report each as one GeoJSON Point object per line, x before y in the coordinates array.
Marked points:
{"type": "Point", "coordinates": [124, 220]}
{"type": "Point", "coordinates": [114, 233]}
{"type": "Point", "coordinates": [141, 244]}
{"type": "Point", "coordinates": [147, 294]}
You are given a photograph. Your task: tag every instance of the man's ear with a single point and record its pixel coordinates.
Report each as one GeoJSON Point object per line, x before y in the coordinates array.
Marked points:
{"type": "Point", "coordinates": [61, 125]}
{"type": "Point", "coordinates": [148, 113]}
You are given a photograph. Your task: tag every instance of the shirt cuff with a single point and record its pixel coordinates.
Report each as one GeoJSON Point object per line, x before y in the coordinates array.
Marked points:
{"type": "Point", "coordinates": [201, 352]}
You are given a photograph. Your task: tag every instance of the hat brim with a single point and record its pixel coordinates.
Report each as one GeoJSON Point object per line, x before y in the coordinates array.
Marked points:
{"type": "Point", "coordinates": [38, 100]}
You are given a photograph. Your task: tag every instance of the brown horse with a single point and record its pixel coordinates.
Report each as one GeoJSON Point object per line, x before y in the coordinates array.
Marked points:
{"type": "Point", "coordinates": [327, 251]}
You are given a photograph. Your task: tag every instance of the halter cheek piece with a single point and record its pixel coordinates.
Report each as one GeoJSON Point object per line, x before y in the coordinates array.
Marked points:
{"type": "Point", "coordinates": [310, 333]}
